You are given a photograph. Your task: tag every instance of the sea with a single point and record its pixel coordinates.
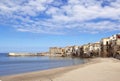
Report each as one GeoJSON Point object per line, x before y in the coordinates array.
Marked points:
{"type": "Point", "coordinates": [16, 65]}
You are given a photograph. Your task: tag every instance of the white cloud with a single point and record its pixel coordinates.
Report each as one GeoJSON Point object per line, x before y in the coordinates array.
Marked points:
{"type": "Point", "coordinates": [56, 17]}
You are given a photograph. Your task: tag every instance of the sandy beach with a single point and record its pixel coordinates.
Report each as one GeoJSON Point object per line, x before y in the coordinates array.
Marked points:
{"type": "Point", "coordinates": [98, 69]}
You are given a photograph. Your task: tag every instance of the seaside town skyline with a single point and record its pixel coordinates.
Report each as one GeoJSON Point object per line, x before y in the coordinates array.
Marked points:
{"type": "Point", "coordinates": [59, 40]}
{"type": "Point", "coordinates": [36, 25]}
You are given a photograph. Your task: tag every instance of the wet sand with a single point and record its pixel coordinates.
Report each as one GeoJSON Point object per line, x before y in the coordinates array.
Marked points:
{"type": "Point", "coordinates": [98, 69]}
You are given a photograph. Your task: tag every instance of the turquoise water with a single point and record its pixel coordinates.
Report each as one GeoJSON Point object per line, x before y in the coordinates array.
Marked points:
{"type": "Point", "coordinates": [16, 65]}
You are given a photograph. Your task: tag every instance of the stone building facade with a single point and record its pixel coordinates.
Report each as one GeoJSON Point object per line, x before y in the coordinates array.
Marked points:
{"type": "Point", "coordinates": [56, 51]}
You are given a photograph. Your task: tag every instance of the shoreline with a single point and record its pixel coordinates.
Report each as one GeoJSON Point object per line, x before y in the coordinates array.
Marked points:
{"type": "Point", "coordinates": [49, 72]}
{"type": "Point", "coordinates": [53, 68]}
{"type": "Point", "coordinates": [57, 74]}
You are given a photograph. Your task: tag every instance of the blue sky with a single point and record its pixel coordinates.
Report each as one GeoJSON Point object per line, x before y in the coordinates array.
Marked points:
{"type": "Point", "coordinates": [36, 25]}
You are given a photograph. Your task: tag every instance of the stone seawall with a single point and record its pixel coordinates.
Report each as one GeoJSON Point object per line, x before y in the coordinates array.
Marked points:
{"type": "Point", "coordinates": [24, 54]}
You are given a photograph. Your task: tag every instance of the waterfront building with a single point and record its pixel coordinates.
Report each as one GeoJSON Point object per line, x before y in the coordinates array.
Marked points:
{"type": "Point", "coordinates": [56, 51]}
